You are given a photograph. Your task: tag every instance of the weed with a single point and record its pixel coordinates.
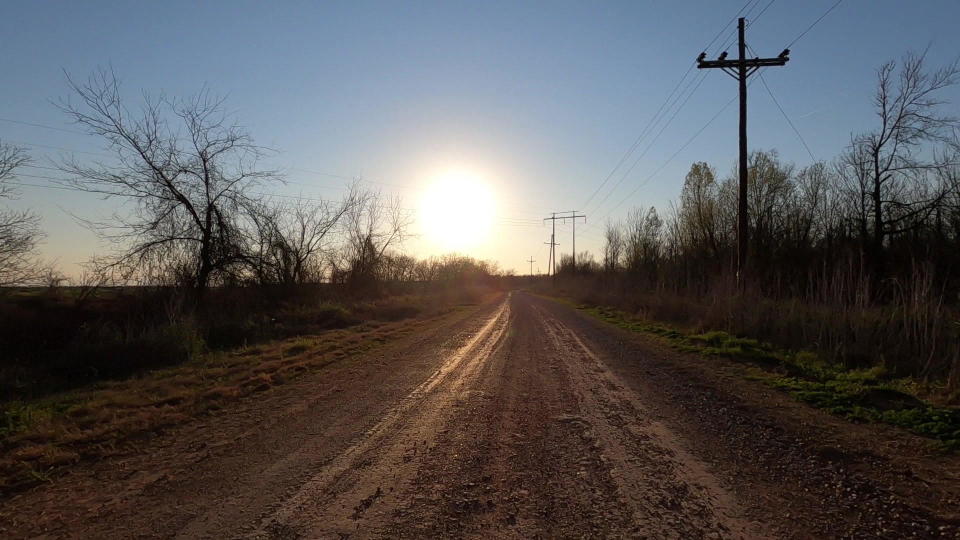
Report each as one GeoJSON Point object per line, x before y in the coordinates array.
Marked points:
{"type": "Point", "coordinates": [860, 395]}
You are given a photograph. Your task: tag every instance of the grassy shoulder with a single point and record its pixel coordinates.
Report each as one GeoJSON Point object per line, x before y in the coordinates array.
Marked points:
{"type": "Point", "coordinates": [858, 395]}
{"type": "Point", "coordinates": [40, 438]}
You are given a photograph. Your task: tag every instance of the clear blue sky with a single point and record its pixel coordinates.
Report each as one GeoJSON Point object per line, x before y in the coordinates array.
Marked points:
{"type": "Point", "coordinates": [539, 98]}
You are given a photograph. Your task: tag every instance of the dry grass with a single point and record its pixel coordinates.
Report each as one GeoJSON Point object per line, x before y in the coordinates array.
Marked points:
{"type": "Point", "coordinates": [913, 335]}
{"type": "Point", "coordinates": [42, 436]}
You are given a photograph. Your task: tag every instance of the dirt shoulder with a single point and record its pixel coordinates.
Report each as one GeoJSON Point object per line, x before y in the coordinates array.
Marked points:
{"type": "Point", "coordinates": [822, 475]}
{"type": "Point", "coordinates": [257, 435]}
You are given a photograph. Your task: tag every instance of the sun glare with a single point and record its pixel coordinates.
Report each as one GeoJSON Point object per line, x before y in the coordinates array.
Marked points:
{"type": "Point", "coordinates": [457, 211]}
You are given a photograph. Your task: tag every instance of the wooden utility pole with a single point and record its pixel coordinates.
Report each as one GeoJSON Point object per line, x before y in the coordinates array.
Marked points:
{"type": "Point", "coordinates": [741, 69]}
{"type": "Point", "coordinates": [531, 261]}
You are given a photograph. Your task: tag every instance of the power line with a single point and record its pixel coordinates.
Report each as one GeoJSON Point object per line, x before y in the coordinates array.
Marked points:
{"type": "Point", "coordinates": [650, 145]}
{"type": "Point", "coordinates": [671, 158]}
{"type": "Point", "coordinates": [784, 113]}
{"type": "Point", "coordinates": [31, 124]}
{"type": "Point", "coordinates": [762, 11]}
{"type": "Point", "coordinates": [749, 22]}
{"type": "Point", "coordinates": [98, 154]}
{"type": "Point", "coordinates": [740, 69]}
{"type": "Point", "coordinates": [733, 32]}
{"type": "Point", "coordinates": [772, 96]}
{"type": "Point", "coordinates": [820, 18]}
{"type": "Point", "coordinates": [731, 21]}
{"type": "Point", "coordinates": [657, 116]}
{"type": "Point", "coordinates": [640, 137]}
{"type": "Point", "coordinates": [754, 3]}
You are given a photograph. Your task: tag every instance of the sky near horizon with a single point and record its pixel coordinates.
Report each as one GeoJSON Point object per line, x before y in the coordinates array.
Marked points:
{"type": "Point", "coordinates": [537, 101]}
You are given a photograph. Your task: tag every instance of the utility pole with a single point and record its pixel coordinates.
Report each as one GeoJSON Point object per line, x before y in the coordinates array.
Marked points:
{"type": "Point", "coordinates": [553, 233]}
{"type": "Point", "coordinates": [553, 218]}
{"type": "Point", "coordinates": [741, 69]}
{"type": "Point", "coordinates": [552, 265]}
{"type": "Point", "coordinates": [531, 261]}
{"type": "Point", "coordinates": [573, 215]}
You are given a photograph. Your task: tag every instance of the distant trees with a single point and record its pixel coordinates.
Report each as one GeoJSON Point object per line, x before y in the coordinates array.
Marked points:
{"type": "Point", "coordinates": [19, 229]}
{"type": "Point", "coordinates": [613, 246]}
{"type": "Point", "coordinates": [699, 223]}
{"type": "Point", "coordinates": [643, 234]}
{"type": "Point", "coordinates": [372, 225]}
{"type": "Point", "coordinates": [292, 242]}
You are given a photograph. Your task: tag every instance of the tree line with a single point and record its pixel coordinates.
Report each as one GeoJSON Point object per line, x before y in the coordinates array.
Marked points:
{"type": "Point", "coordinates": [192, 208]}
{"type": "Point", "coordinates": [886, 209]}
{"type": "Point", "coordinates": [857, 258]}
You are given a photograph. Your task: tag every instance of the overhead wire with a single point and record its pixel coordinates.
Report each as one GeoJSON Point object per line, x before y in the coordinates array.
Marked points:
{"type": "Point", "coordinates": [784, 113]}
{"type": "Point", "coordinates": [104, 155]}
{"type": "Point", "coordinates": [814, 23]}
{"type": "Point", "coordinates": [657, 115]}
{"type": "Point", "coordinates": [749, 7]}
{"type": "Point", "coordinates": [766, 86]}
{"type": "Point", "coordinates": [671, 158]}
{"type": "Point", "coordinates": [650, 145]}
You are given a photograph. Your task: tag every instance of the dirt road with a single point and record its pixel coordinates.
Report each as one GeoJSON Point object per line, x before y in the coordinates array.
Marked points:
{"type": "Point", "coordinates": [520, 419]}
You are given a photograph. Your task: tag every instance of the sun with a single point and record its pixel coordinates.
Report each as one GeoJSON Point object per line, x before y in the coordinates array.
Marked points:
{"type": "Point", "coordinates": [457, 210]}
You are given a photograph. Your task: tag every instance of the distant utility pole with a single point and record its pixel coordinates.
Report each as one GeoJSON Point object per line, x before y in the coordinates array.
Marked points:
{"type": "Point", "coordinates": [552, 264]}
{"type": "Point", "coordinates": [573, 215]}
{"type": "Point", "coordinates": [553, 234]}
{"type": "Point", "coordinates": [553, 218]}
{"type": "Point", "coordinates": [531, 261]}
{"type": "Point", "coordinates": [740, 69]}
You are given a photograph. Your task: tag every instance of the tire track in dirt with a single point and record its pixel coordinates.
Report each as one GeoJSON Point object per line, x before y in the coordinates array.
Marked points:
{"type": "Point", "coordinates": [665, 487]}
{"type": "Point", "coordinates": [505, 467]}
{"type": "Point", "coordinates": [556, 447]}
{"type": "Point", "coordinates": [359, 488]}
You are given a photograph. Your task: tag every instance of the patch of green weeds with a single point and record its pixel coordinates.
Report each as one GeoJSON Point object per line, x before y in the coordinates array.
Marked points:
{"type": "Point", "coordinates": [18, 416]}
{"type": "Point", "coordinates": [859, 395]}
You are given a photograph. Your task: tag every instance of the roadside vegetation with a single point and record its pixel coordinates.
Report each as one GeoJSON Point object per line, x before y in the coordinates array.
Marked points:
{"type": "Point", "coordinates": [856, 259]}
{"type": "Point", "coordinates": [858, 394]}
{"type": "Point", "coordinates": [110, 386]}
{"type": "Point", "coordinates": [853, 261]}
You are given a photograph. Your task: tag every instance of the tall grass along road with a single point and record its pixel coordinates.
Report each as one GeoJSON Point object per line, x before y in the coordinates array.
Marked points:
{"type": "Point", "coordinates": [520, 418]}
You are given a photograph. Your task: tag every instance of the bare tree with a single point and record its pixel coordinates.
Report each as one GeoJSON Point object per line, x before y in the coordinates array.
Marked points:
{"type": "Point", "coordinates": [769, 189]}
{"type": "Point", "coordinates": [613, 246]}
{"type": "Point", "coordinates": [888, 164]}
{"type": "Point", "coordinates": [643, 241]}
{"type": "Point", "coordinates": [290, 242]}
{"type": "Point", "coordinates": [19, 229]}
{"type": "Point", "coordinates": [373, 226]}
{"type": "Point", "coordinates": [699, 217]}
{"type": "Point", "coordinates": [186, 170]}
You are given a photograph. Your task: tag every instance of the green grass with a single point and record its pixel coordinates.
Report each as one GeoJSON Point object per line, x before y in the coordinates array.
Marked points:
{"type": "Point", "coordinates": [859, 395]}
{"type": "Point", "coordinates": [16, 416]}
